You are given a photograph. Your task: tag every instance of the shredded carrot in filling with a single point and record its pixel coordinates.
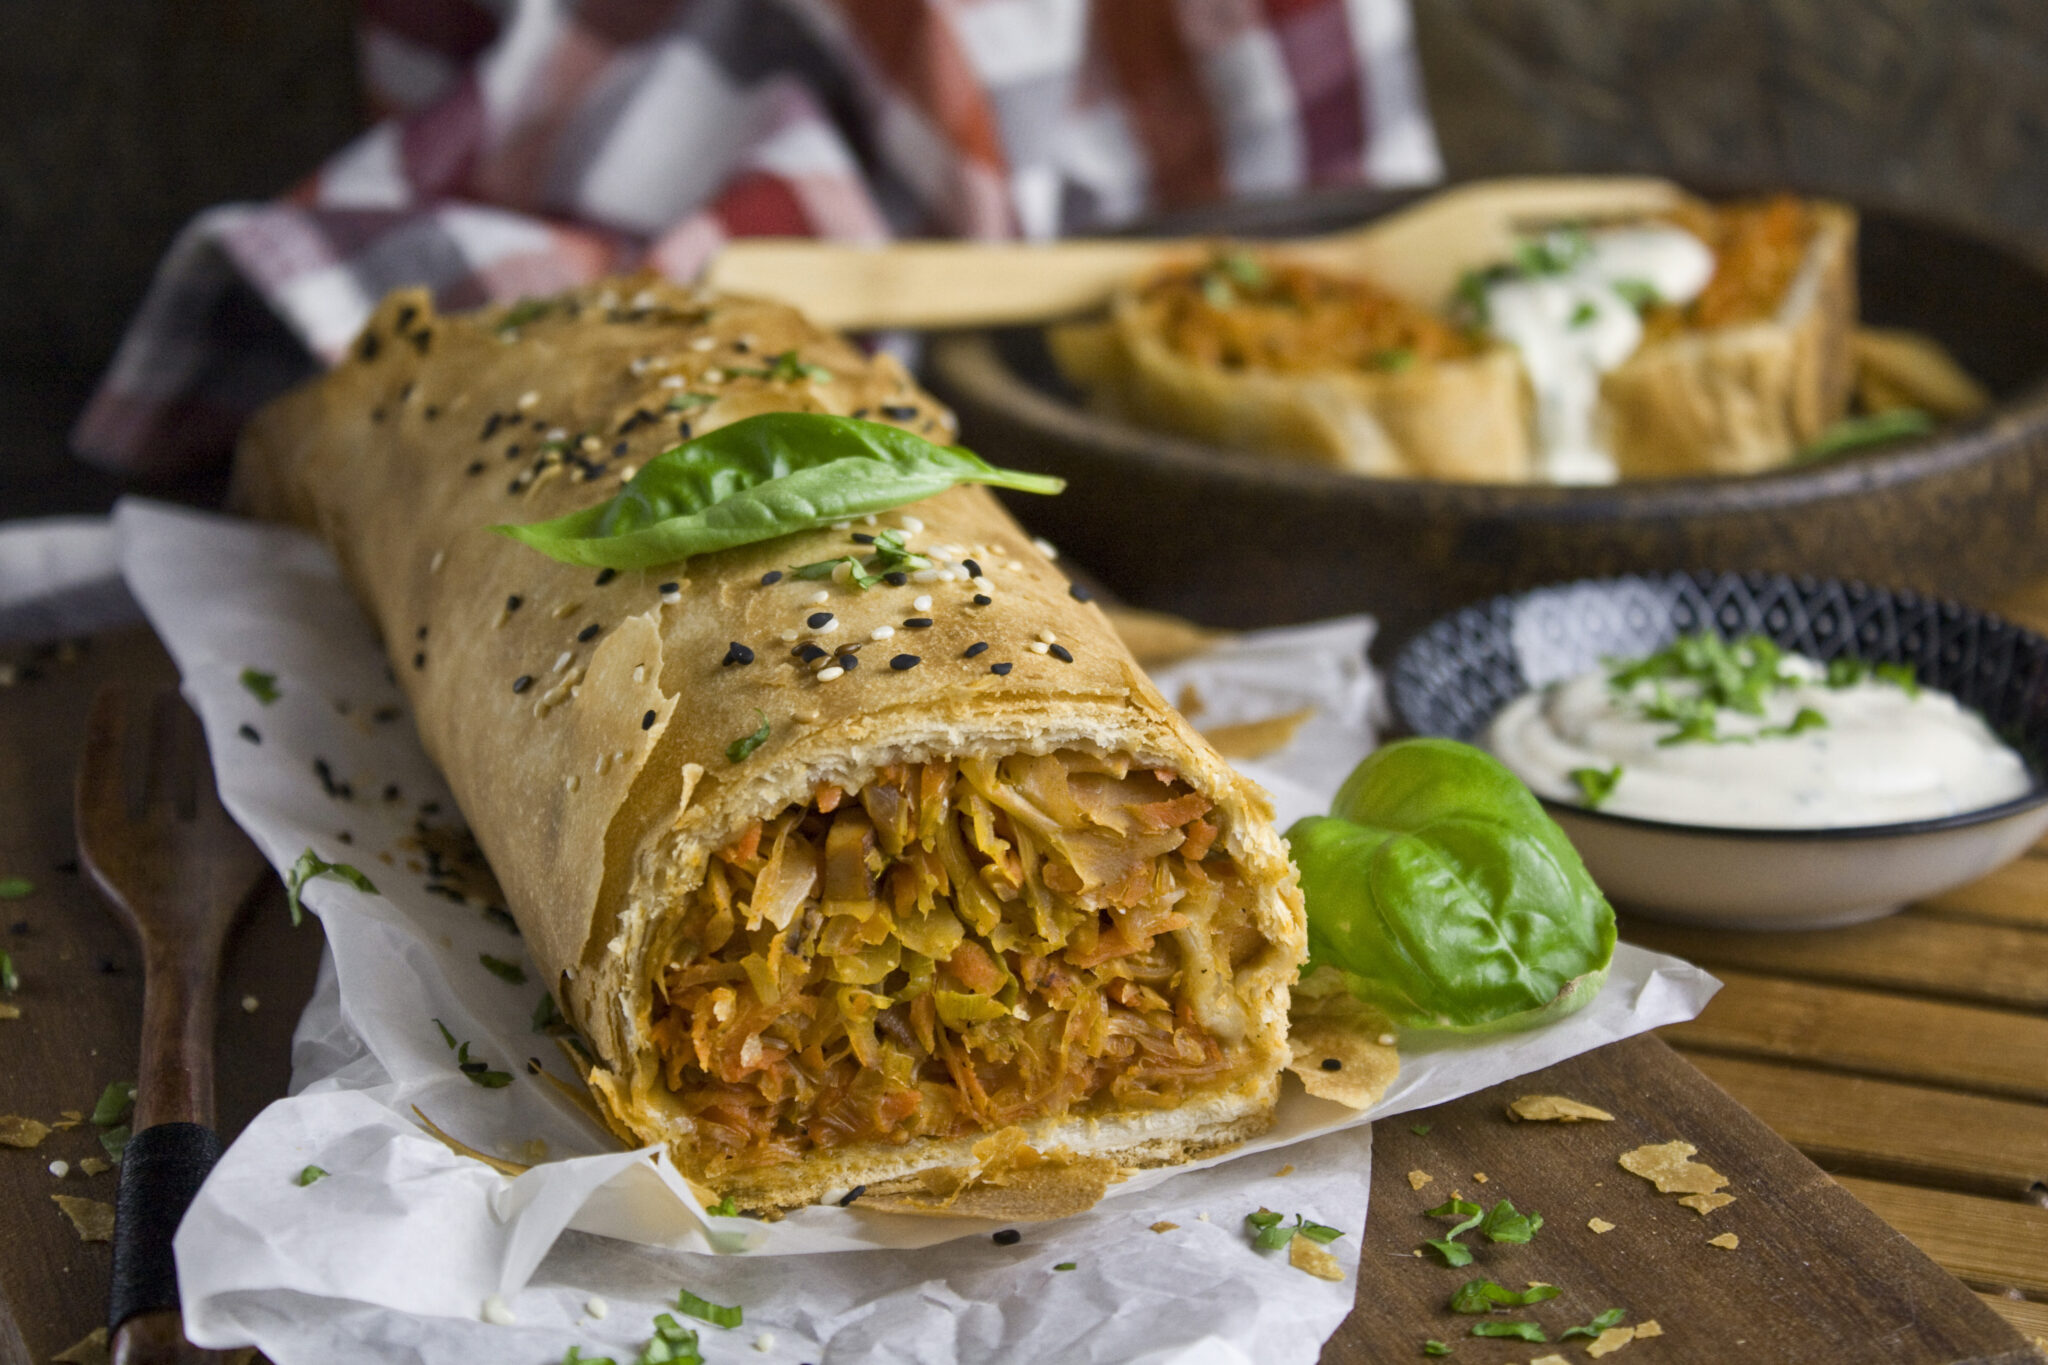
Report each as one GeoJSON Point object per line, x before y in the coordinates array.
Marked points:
{"type": "Point", "coordinates": [1758, 247]}
{"type": "Point", "coordinates": [956, 947]}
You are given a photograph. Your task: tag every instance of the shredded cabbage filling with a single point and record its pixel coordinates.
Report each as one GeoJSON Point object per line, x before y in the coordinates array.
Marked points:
{"type": "Point", "coordinates": [956, 947]}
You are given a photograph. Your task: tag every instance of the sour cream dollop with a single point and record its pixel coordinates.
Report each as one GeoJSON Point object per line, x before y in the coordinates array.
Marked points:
{"type": "Point", "coordinates": [1574, 324]}
{"type": "Point", "coordinates": [1885, 753]}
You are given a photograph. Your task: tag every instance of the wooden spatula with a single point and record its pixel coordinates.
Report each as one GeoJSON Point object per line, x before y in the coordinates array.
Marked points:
{"type": "Point", "coordinates": [157, 843]}
{"type": "Point", "coordinates": [1417, 252]}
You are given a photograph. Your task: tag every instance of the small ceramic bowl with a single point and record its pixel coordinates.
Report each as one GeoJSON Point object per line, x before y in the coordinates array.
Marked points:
{"type": "Point", "coordinates": [1457, 674]}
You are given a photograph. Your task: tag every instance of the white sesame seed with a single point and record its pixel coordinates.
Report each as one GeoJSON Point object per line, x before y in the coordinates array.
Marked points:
{"type": "Point", "coordinates": [591, 444]}
{"type": "Point", "coordinates": [528, 399]}
{"type": "Point", "coordinates": [788, 636]}
{"type": "Point", "coordinates": [60, 1169]}
{"type": "Point", "coordinates": [572, 782]}
{"type": "Point", "coordinates": [558, 433]}
{"type": "Point", "coordinates": [1039, 646]}
{"type": "Point", "coordinates": [1048, 637]}
{"type": "Point", "coordinates": [955, 575]}
{"type": "Point", "coordinates": [1015, 566]}
{"type": "Point", "coordinates": [765, 1342]}
{"type": "Point", "coordinates": [644, 299]}
{"type": "Point", "coordinates": [828, 673]}
{"type": "Point", "coordinates": [639, 673]}
{"type": "Point", "coordinates": [440, 558]}
{"type": "Point", "coordinates": [926, 576]}
{"type": "Point", "coordinates": [562, 661]}
{"type": "Point", "coordinates": [922, 602]}
{"type": "Point", "coordinates": [672, 597]}
{"type": "Point", "coordinates": [1044, 547]}
{"type": "Point", "coordinates": [820, 597]}
{"type": "Point", "coordinates": [638, 365]}
{"type": "Point", "coordinates": [981, 581]}
{"type": "Point", "coordinates": [250, 1004]}
{"type": "Point", "coordinates": [1202, 1217]}
{"type": "Point", "coordinates": [596, 1307]}
{"type": "Point", "coordinates": [910, 523]}
{"type": "Point", "coordinates": [881, 632]}
{"type": "Point", "coordinates": [829, 626]}
{"type": "Point", "coordinates": [673, 381]}
{"type": "Point", "coordinates": [714, 375]}
{"type": "Point", "coordinates": [627, 471]}
{"type": "Point", "coordinates": [842, 525]}
{"type": "Point", "coordinates": [869, 520]}
{"type": "Point", "coordinates": [703, 343]}
{"type": "Point", "coordinates": [565, 610]}
{"type": "Point", "coordinates": [842, 574]}
{"type": "Point", "coordinates": [496, 1313]}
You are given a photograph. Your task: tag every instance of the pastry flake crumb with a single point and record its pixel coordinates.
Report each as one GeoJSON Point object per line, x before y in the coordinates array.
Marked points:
{"type": "Point", "coordinates": [93, 1219]}
{"type": "Point", "coordinates": [1599, 1225]}
{"type": "Point", "coordinates": [1669, 1167]}
{"type": "Point", "coordinates": [1480, 1176]}
{"type": "Point", "coordinates": [94, 1165]}
{"type": "Point", "coordinates": [1305, 1256]}
{"type": "Point", "coordinates": [1727, 1241]}
{"type": "Point", "coordinates": [1288, 1169]}
{"type": "Point", "coordinates": [1417, 1179]}
{"type": "Point", "coordinates": [1649, 1329]}
{"type": "Point", "coordinates": [1555, 1109]}
{"type": "Point", "coordinates": [90, 1349]}
{"type": "Point", "coordinates": [16, 1131]}
{"type": "Point", "coordinates": [1707, 1203]}
{"type": "Point", "coordinates": [1163, 1226]}
{"type": "Point", "coordinates": [1610, 1341]}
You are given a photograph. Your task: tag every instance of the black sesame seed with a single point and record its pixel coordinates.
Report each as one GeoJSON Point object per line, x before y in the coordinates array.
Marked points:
{"type": "Point", "coordinates": [588, 633]}
{"type": "Point", "coordinates": [406, 314]}
{"type": "Point", "coordinates": [849, 662]}
{"type": "Point", "coordinates": [109, 967]}
{"type": "Point", "coordinates": [512, 602]}
{"type": "Point", "coordinates": [606, 576]}
{"type": "Point", "coordinates": [683, 429]}
{"type": "Point", "coordinates": [1008, 1237]}
{"type": "Point", "coordinates": [420, 341]}
{"type": "Point", "coordinates": [621, 448]}
{"type": "Point", "coordinates": [420, 634]}
{"type": "Point", "coordinates": [978, 647]}
{"type": "Point", "coordinates": [390, 791]}
{"type": "Point", "coordinates": [518, 485]}
{"type": "Point", "coordinates": [419, 661]}
{"type": "Point", "coordinates": [430, 807]}
{"type": "Point", "coordinates": [367, 348]}
{"type": "Point", "coordinates": [903, 661]}
{"type": "Point", "coordinates": [1079, 593]}
{"type": "Point", "coordinates": [1060, 652]}
{"type": "Point", "coordinates": [973, 569]}
{"type": "Point", "coordinates": [522, 682]}
{"type": "Point", "coordinates": [999, 669]}
{"type": "Point", "coordinates": [982, 599]}
{"type": "Point", "coordinates": [896, 579]}
{"type": "Point", "coordinates": [346, 837]}
{"type": "Point", "coordinates": [863, 538]}
{"type": "Point", "coordinates": [432, 411]}
{"type": "Point", "coordinates": [376, 414]}
{"type": "Point", "coordinates": [818, 620]}
{"type": "Point", "coordinates": [647, 721]}
{"type": "Point", "coordinates": [248, 732]}
{"type": "Point", "coordinates": [491, 425]}
{"type": "Point", "coordinates": [20, 926]}
{"type": "Point", "coordinates": [737, 653]}
{"type": "Point", "coordinates": [512, 451]}
{"type": "Point", "coordinates": [671, 587]}
{"type": "Point", "coordinates": [1332, 1064]}
{"type": "Point", "coordinates": [476, 466]}
{"type": "Point", "coordinates": [772, 576]}
{"type": "Point", "coordinates": [898, 412]}
{"type": "Point", "coordinates": [809, 653]}
{"type": "Point", "coordinates": [918, 622]}
{"type": "Point", "coordinates": [856, 1192]}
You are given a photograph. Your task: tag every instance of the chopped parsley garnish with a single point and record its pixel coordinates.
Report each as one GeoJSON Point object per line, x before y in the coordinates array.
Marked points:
{"type": "Point", "coordinates": [1807, 719]}
{"type": "Point", "coordinates": [1900, 676]}
{"type": "Point", "coordinates": [1500, 1224]}
{"type": "Point", "coordinates": [889, 556]}
{"type": "Point", "coordinates": [1433, 1347]}
{"type": "Point", "coordinates": [576, 1357]}
{"type": "Point", "coordinates": [685, 402]}
{"type": "Point", "coordinates": [1065, 1265]}
{"type": "Point", "coordinates": [310, 1174]}
{"type": "Point", "coordinates": [524, 311]}
{"type": "Point", "coordinates": [1725, 675]}
{"type": "Point", "coordinates": [1584, 314]}
{"type": "Point", "coordinates": [724, 1208]}
{"type": "Point", "coordinates": [547, 1014]}
{"type": "Point", "coordinates": [673, 1344]}
{"type": "Point", "coordinates": [503, 970]}
{"type": "Point", "coordinates": [262, 686]}
{"type": "Point", "coordinates": [10, 979]}
{"type": "Point", "coordinates": [1270, 1234]}
{"type": "Point", "coordinates": [1640, 295]}
{"type": "Point", "coordinates": [115, 1104]}
{"type": "Point", "coordinates": [706, 1311]}
{"type": "Point", "coordinates": [14, 888]}
{"type": "Point", "coordinates": [738, 750]}
{"type": "Point", "coordinates": [479, 1073]}
{"type": "Point", "coordinates": [1420, 1129]}
{"type": "Point", "coordinates": [1484, 1296]}
{"type": "Point", "coordinates": [1596, 784]}
{"type": "Point", "coordinates": [1520, 1331]}
{"type": "Point", "coordinates": [1395, 359]}
{"type": "Point", "coordinates": [115, 1140]}
{"type": "Point", "coordinates": [788, 367]}
{"type": "Point", "coordinates": [311, 865]}
{"type": "Point", "coordinates": [1611, 1318]}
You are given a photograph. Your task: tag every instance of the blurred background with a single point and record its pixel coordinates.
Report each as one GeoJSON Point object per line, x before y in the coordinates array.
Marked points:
{"type": "Point", "coordinates": [119, 120]}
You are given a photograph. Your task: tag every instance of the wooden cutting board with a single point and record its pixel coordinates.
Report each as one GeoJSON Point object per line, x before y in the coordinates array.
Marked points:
{"type": "Point", "coordinates": [1816, 1278]}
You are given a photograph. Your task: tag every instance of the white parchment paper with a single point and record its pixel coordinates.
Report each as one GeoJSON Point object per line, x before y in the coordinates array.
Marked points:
{"type": "Point", "coordinates": [392, 1254]}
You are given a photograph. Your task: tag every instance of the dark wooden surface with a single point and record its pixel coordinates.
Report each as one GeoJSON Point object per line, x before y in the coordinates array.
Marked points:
{"type": "Point", "coordinates": [1817, 1278]}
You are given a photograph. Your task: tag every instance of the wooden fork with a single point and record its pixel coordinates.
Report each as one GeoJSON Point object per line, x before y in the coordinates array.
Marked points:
{"type": "Point", "coordinates": [157, 842]}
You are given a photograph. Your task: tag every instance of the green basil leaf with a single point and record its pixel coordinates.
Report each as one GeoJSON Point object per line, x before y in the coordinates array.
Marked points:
{"type": "Point", "coordinates": [707, 1311]}
{"type": "Point", "coordinates": [724, 1208]}
{"type": "Point", "coordinates": [756, 479]}
{"type": "Point", "coordinates": [1504, 1224]}
{"type": "Point", "coordinates": [673, 1344]}
{"type": "Point", "coordinates": [446, 1036]}
{"type": "Point", "coordinates": [1447, 898]}
{"type": "Point", "coordinates": [1520, 1331]}
{"type": "Point", "coordinates": [10, 979]}
{"type": "Point", "coordinates": [1433, 1347]}
{"type": "Point", "coordinates": [310, 1174]}
{"type": "Point", "coordinates": [114, 1105]}
{"type": "Point", "coordinates": [1455, 1254]}
{"type": "Point", "coordinates": [1483, 1296]}
{"type": "Point", "coordinates": [311, 865]}
{"type": "Point", "coordinates": [1611, 1318]}
{"type": "Point", "coordinates": [262, 686]}
{"type": "Point", "coordinates": [502, 969]}
{"type": "Point", "coordinates": [14, 888]}
{"type": "Point", "coordinates": [115, 1140]}
{"type": "Point", "coordinates": [576, 1357]}
{"type": "Point", "coordinates": [1318, 1233]}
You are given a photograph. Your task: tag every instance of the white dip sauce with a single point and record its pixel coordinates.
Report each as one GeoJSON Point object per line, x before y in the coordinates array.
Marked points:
{"type": "Point", "coordinates": [1885, 754]}
{"type": "Point", "coordinates": [1573, 325]}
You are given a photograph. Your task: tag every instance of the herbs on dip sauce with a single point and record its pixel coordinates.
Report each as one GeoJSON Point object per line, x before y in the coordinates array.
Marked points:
{"type": "Point", "coordinates": [1741, 734]}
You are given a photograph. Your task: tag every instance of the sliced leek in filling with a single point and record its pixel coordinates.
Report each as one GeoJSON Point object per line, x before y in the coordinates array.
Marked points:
{"type": "Point", "coordinates": [956, 947]}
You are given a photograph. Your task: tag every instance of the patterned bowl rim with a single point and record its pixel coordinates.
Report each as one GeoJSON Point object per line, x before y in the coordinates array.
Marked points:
{"type": "Point", "coordinates": [1480, 613]}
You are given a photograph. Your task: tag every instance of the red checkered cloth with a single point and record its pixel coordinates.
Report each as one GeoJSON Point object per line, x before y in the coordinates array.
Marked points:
{"type": "Point", "coordinates": [530, 145]}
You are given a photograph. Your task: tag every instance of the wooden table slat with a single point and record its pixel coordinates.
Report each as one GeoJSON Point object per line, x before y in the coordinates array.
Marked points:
{"type": "Point", "coordinates": [1988, 1244]}
{"type": "Point", "coordinates": [2029, 1316]}
{"type": "Point", "coordinates": [2015, 894]}
{"type": "Point", "coordinates": [1920, 955]}
{"type": "Point", "coordinates": [1920, 1134]}
{"type": "Point", "coordinates": [1964, 1047]}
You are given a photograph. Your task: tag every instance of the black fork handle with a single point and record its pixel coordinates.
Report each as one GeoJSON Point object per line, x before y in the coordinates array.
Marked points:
{"type": "Point", "coordinates": [161, 1171]}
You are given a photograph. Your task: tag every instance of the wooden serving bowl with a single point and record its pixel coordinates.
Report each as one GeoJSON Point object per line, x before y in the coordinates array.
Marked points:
{"type": "Point", "coordinates": [1229, 538]}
